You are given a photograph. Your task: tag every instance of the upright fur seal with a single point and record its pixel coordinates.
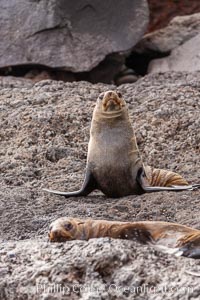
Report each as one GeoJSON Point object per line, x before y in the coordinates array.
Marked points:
{"type": "Point", "coordinates": [114, 165]}
{"type": "Point", "coordinates": [170, 237]}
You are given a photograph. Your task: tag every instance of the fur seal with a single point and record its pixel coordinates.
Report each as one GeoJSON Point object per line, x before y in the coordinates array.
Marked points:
{"type": "Point", "coordinates": [170, 237]}
{"type": "Point", "coordinates": [114, 165]}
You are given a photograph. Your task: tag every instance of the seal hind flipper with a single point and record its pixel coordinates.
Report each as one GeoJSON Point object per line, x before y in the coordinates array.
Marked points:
{"type": "Point", "coordinates": [143, 182]}
{"type": "Point", "coordinates": [196, 186]}
{"type": "Point", "coordinates": [188, 187]}
{"type": "Point", "coordinates": [151, 189]}
{"type": "Point", "coordinates": [88, 186]}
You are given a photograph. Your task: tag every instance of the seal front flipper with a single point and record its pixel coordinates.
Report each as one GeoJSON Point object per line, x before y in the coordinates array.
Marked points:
{"type": "Point", "coordinates": [143, 182]}
{"type": "Point", "coordinates": [88, 186]}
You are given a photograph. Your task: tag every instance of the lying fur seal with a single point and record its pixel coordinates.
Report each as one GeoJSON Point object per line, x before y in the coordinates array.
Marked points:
{"type": "Point", "coordinates": [114, 165]}
{"type": "Point", "coordinates": [170, 237]}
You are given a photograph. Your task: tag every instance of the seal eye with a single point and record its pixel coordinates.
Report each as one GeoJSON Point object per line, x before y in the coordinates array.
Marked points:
{"type": "Point", "coordinates": [119, 94]}
{"type": "Point", "coordinates": [68, 226]}
{"type": "Point", "coordinates": [101, 96]}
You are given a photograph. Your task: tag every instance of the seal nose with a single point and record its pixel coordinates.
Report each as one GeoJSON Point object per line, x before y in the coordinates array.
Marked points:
{"type": "Point", "coordinates": [110, 94]}
{"type": "Point", "coordinates": [111, 101]}
{"type": "Point", "coordinates": [53, 235]}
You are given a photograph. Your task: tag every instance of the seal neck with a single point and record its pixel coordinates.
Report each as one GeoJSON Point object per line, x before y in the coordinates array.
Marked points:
{"type": "Point", "coordinates": [109, 115]}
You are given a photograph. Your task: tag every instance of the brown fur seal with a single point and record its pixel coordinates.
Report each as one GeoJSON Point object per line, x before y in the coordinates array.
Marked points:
{"type": "Point", "coordinates": [114, 165]}
{"type": "Point", "coordinates": [171, 237]}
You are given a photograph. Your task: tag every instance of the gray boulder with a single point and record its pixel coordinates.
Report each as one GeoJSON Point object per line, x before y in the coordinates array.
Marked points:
{"type": "Point", "coordinates": [183, 58]}
{"type": "Point", "coordinates": [74, 35]}
{"type": "Point", "coordinates": [179, 30]}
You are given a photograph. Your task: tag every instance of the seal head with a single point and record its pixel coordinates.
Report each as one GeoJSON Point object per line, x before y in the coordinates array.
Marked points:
{"type": "Point", "coordinates": [110, 101]}
{"type": "Point", "coordinates": [65, 229]}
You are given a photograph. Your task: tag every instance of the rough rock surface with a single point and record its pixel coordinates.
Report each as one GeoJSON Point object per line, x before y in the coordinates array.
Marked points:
{"type": "Point", "coordinates": [179, 30]}
{"type": "Point", "coordinates": [98, 269]}
{"type": "Point", "coordinates": [68, 34]}
{"type": "Point", "coordinates": [44, 132]}
{"type": "Point", "coordinates": [183, 58]}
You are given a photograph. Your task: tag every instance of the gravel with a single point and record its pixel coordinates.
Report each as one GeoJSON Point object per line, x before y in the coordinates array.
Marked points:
{"type": "Point", "coordinates": [44, 133]}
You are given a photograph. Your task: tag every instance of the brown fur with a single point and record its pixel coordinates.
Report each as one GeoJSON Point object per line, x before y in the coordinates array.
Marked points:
{"type": "Point", "coordinates": [170, 235]}
{"type": "Point", "coordinates": [160, 177]}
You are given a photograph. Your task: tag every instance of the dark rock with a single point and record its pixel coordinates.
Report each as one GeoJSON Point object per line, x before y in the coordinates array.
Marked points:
{"type": "Point", "coordinates": [106, 71]}
{"type": "Point", "coordinates": [126, 76]}
{"type": "Point", "coordinates": [72, 35]}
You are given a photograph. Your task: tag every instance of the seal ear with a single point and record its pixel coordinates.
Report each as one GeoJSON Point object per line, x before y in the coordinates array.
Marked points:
{"type": "Point", "coordinates": [68, 226]}
{"type": "Point", "coordinates": [101, 96]}
{"type": "Point", "coordinates": [119, 94]}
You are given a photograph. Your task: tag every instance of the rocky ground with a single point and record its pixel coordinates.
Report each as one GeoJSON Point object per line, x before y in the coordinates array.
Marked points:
{"type": "Point", "coordinates": [44, 132]}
